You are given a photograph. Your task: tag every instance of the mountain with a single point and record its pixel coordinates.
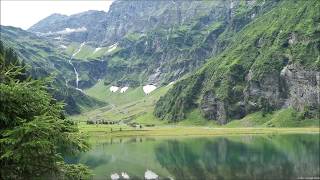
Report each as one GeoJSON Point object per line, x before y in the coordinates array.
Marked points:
{"type": "Point", "coordinates": [272, 63]}
{"type": "Point", "coordinates": [157, 42]}
{"type": "Point", "coordinates": [123, 17]}
{"type": "Point", "coordinates": [228, 60]}
{"type": "Point", "coordinates": [164, 55]}
{"type": "Point", "coordinates": [46, 59]}
{"type": "Point", "coordinates": [86, 26]}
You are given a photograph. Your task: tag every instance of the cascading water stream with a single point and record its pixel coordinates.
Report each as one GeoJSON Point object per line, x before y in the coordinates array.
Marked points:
{"type": "Point", "coordinates": [74, 68]}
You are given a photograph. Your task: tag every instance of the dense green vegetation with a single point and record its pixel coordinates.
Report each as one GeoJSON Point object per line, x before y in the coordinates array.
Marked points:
{"type": "Point", "coordinates": [33, 130]}
{"type": "Point", "coordinates": [287, 34]}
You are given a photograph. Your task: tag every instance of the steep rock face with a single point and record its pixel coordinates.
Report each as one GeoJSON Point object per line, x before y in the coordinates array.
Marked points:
{"type": "Point", "coordinates": [142, 16]}
{"type": "Point", "coordinates": [126, 17]}
{"type": "Point", "coordinates": [303, 87]}
{"type": "Point", "coordinates": [294, 87]}
{"type": "Point", "coordinates": [90, 72]}
{"type": "Point", "coordinates": [271, 87]}
{"type": "Point", "coordinates": [168, 53]}
{"type": "Point", "coordinates": [213, 108]}
{"type": "Point", "coordinates": [122, 18]}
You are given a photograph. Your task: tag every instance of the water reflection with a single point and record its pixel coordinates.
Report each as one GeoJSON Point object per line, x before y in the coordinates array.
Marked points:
{"type": "Point", "coordinates": [222, 158]}
{"type": "Point", "coordinates": [244, 157]}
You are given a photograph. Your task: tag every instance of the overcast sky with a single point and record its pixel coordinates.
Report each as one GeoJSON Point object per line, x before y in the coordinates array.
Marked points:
{"type": "Point", "coordinates": [25, 13]}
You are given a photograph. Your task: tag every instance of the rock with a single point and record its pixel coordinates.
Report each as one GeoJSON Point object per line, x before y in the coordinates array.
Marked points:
{"type": "Point", "coordinates": [213, 109]}
{"type": "Point", "coordinates": [303, 86]}
{"type": "Point", "coordinates": [269, 87]}
{"type": "Point", "coordinates": [292, 87]}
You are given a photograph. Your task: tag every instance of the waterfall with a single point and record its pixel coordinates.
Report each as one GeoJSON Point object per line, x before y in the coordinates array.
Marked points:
{"type": "Point", "coordinates": [74, 68]}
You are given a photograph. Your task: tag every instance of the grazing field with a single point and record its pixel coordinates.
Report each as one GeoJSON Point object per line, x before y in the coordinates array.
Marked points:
{"type": "Point", "coordinates": [131, 106]}
{"type": "Point", "coordinates": [108, 131]}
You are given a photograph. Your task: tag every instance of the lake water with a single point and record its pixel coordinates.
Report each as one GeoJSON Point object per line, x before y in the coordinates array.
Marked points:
{"type": "Point", "coordinates": [235, 157]}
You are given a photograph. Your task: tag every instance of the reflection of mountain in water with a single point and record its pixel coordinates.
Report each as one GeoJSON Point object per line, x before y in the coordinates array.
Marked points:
{"type": "Point", "coordinates": [222, 158]}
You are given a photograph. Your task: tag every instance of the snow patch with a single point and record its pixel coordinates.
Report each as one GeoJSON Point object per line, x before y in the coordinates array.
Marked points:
{"type": "Point", "coordinates": [114, 88]}
{"type": "Point", "coordinates": [125, 175]}
{"type": "Point", "coordinates": [171, 83]}
{"type": "Point", "coordinates": [112, 47]}
{"type": "Point", "coordinates": [115, 176]}
{"type": "Point", "coordinates": [65, 31]}
{"type": "Point", "coordinates": [63, 46]}
{"type": "Point", "coordinates": [231, 5]}
{"type": "Point", "coordinates": [96, 50]}
{"type": "Point", "coordinates": [149, 88]}
{"type": "Point", "coordinates": [71, 30]}
{"type": "Point", "coordinates": [150, 175]}
{"type": "Point", "coordinates": [124, 89]}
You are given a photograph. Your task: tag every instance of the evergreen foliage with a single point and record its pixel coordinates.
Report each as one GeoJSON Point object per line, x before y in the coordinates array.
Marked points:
{"type": "Point", "coordinates": [33, 131]}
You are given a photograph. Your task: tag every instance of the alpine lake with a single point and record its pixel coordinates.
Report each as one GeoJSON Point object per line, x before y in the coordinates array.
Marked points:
{"type": "Point", "coordinates": [267, 156]}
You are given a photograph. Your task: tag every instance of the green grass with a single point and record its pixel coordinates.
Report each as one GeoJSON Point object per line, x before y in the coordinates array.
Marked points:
{"type": "Point", "coordinates": [194, 118]}
{"type": "Point", "coordinates": [281, 118]}
{"type": "Point", "coordinates": [131, 106]}
{"type": "Point", "coordinates": [102, 92]}
{"type": "Point", "coordinates": [88, 52]}
{"type": "Point", "coordinates": [104, 131]}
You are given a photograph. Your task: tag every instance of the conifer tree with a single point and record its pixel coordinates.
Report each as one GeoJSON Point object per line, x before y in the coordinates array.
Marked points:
{"type": "Point", "coordinates": [33, 131]}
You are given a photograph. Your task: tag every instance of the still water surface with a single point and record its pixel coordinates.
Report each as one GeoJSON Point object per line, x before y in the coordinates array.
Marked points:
{"type": "Point", "coordinates": [240, 157]}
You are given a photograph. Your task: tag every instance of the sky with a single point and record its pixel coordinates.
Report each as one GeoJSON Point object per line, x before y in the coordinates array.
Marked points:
{"type": "Point", "coordinates": [25, 13]}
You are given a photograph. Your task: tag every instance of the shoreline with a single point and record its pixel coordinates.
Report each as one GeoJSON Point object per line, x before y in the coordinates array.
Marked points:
{"type": "Point", "coordinates": [107, 131]}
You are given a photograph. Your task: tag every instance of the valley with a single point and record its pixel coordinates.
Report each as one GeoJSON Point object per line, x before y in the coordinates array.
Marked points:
{"type": "Point", "coordinates": [224, 89]}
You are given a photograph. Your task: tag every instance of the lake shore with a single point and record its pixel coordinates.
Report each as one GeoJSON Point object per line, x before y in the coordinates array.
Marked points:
{"type": "Point", "coordinates": [181, 131]}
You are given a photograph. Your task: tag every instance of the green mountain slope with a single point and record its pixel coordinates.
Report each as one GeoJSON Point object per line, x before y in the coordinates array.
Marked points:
{"type": "Point", "coordinates": [45, 59]}
{"type": "Point", "coordinates": [272, 63]}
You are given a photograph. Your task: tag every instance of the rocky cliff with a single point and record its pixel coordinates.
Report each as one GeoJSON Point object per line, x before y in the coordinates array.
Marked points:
{"type": "Point", "coordinates": [177, 47]}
